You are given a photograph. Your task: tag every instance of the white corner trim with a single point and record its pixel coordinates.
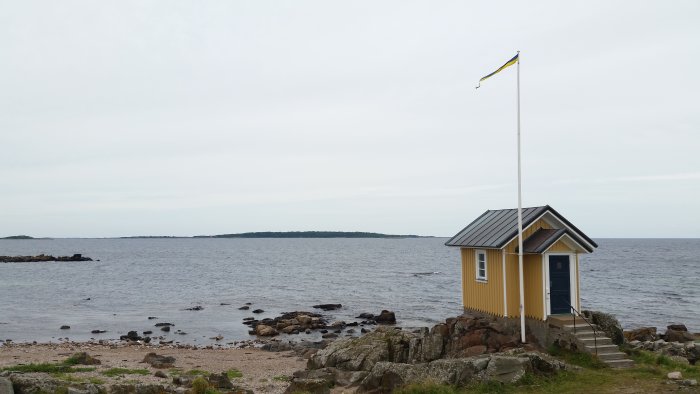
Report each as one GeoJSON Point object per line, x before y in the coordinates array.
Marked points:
{"type": "Point", "coordinates": [545, 290]}
{"type": "Point", "coordinates": [546, 219]}
{"type": "Point", "coordinates": [505, 292]}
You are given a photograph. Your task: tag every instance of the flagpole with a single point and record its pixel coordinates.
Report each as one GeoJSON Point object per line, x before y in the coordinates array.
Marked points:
{"type": "Point", "coordinates": [520, 225]}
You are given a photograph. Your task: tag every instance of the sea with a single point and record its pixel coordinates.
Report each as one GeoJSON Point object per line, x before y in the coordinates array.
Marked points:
{"type": "Point", "coordinates": [643, 282]}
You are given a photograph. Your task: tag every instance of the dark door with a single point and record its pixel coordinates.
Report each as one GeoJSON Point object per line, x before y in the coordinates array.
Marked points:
{"type": "Point", "coordinates": [559, 284]}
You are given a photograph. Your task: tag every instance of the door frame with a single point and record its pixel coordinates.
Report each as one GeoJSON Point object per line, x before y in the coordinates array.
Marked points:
{"type": "Point", "coordinates": [573, 280]}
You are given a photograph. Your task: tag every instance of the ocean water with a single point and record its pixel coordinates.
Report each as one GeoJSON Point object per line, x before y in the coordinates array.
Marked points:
{"type": "Point", "coordinates": [642, 281]}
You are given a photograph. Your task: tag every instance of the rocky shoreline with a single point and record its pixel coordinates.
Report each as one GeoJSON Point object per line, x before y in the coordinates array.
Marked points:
{"type": "Point", "coordinates": [368, 355]}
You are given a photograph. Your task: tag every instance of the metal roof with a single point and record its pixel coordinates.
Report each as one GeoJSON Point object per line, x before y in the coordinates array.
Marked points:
{"type": "Point", "coordinates": [495, 228]}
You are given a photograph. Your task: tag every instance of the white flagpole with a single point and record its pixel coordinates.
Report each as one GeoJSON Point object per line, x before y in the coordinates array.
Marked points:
{"type": "Point", "coordinates": [520, 225]}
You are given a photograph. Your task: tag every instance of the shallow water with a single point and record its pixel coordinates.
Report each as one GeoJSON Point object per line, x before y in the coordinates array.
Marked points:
{"type": "Point", "coordinates": [643, 282]}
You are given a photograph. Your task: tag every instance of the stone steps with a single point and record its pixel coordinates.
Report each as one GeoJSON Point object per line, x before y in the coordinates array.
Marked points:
{"type": "Point", "coordinates": [624, 363]}
{"type": "Point", "coordinates": [612, 356]}
{"type": "Point", "coordinates": [594, 342]}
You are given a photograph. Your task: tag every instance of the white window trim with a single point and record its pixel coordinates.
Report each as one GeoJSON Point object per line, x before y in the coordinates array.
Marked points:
{"type": "Point", "coordinates": [485, 278]}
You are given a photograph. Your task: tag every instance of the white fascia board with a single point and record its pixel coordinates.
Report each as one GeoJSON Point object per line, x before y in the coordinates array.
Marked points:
{"type": "Point", "coordinates": [561, 224]}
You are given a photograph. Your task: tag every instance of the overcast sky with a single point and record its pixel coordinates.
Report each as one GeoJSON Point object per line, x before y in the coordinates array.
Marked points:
{"type": "Point", "coordinates": [191, 117]}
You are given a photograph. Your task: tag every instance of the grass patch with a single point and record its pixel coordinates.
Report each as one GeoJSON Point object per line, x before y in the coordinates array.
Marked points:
{"type": "Point", "coordinates": [234, 373]}
{"type": "Point", "coordinates": [75, 379]}
{"type": "Point", "coordinates": [584, 360]}
{"type": "Point", "coordinates": [175, 372]}
{"type": "Point", "coordinates": [193, 372]}
{"type": "Point", "coordinates": [661, 364]}
{"type": "Point", "coordinates": [281, 378]}
{"type": "Point", "coordinates": [112, 372]}
{"type": "Point", "coordinates": [95, 380]}
{"type": "Point", "coordinates": [201, 386]}
{"type": "Point", "coordinates": [647, 376]}
{"type": "Point", "coordinates": [47, 368]}
{"type": "Point", "coordinates": [428, 388]}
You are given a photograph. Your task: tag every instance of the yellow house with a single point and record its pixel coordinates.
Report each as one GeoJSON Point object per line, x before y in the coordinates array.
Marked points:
{"type": "Point", "coordinates": [551, 249]}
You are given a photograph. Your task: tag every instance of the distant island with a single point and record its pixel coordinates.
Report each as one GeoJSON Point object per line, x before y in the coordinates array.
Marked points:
{"type": "Point", "coordinates": [18, 237]}
{"type": "Point", "coordinates": [309, 234]}
{"type": "Point", "coordinates": [264, 234]}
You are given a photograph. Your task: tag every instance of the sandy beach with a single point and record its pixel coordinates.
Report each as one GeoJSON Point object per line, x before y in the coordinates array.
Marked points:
{"type": "Point", "coordinates": [261, 371]}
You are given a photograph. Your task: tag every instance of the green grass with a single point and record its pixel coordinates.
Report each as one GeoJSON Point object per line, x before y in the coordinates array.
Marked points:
{"type": "Point", "coordinates": [47, 368]}
{"type": "Point", "coordinates": [281, 378]}
{"type": "Point", "coordinates": [201, 386]}
{"type": "Point", "coordinates": [648, 376]}
{"type": "Point", "coordinates": [662, 363]}
{"type": "Point", "coordinates": [428, 388]}
{"type": "Point", "coordinates": [234, 373]}
{"type": "Point", "coordinates": [585, 360]}
{"type": "Point", "coordinates": [75, 379]}
{"type": "Point", "coordinates": [112, 372]}
{"type": "Point", "coordinates": [175, 371]}
{"type": "Point", "coordinates": [193, 372]}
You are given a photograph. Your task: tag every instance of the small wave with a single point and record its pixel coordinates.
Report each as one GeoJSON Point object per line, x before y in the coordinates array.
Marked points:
{"type": "Point", "coordinates": [425, 273]}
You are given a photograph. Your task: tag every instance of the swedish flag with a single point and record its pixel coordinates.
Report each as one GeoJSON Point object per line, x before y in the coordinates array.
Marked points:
{"type": "Point", "coordinates": [510, 62]}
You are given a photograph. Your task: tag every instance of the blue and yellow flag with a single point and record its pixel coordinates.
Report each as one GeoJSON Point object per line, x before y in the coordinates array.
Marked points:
{"type": "Point", "coordinates": [510, 62]}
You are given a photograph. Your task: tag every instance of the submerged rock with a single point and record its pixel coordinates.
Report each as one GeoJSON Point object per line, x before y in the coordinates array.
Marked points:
{"type": "Point", "coordinates": [386, 317]}
{"type": "Point", "coordinates": [328, 307]}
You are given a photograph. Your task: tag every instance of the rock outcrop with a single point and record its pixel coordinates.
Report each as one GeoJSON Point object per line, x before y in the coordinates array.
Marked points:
{"type": "Point", "coordinates": [608, 324]}
{"type": "Point", "coordinates": [689, 351]}
{"type": "Point", "coordinates": [641, 334]}
{"type": "Point", "coordinates": [460, 351]}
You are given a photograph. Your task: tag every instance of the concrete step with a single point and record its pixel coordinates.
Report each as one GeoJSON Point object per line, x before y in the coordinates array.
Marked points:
{"type": "Point", "coordinates": [589, 333]}
{"type": "Point", "coordinates": [611, 356]}
{"type": "Point", "coordinates": [560, 321]}
{"type": "Point", "coordinates": [591, 341]}
{"type": "Point", "coordinates": [602, 349]}
{"type": "Point", "coordinates": [622, 363]}
{"type": "Point", "coordinates": [579, 328]}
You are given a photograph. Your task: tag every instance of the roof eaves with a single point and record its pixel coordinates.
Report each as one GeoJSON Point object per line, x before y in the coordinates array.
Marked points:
{"type": "Point", "coordinates": [449, 242]}
{"type": "Point", "coordinates": [536, 213]}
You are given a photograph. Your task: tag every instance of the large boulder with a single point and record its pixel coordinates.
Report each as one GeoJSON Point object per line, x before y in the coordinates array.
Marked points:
{"type": "Point", "coordinates": [83, 358]}
{"type": "Point", "coordinates": [506, 369]}
{"type": "Point", "coordinates": [385, 377]}
{"type": "Point", "coordinates": [641, 334]}
{"type": "Point", "coordinates": [265, 330]}
{"type": "Point", "coordinates": [608, 324]}
{"type": "Point", "coordinates": [158, 361]}
{"type": "Point", "coordinates": [678, 333]}
{"type": "Point", "coordinates": [360, 354]}
{"type": "Point", "coordinates": [386, 317]}
{"type": "Point", "coordinates": [308, 385]}
{"type": "Point", "coordinates": [6, 386]}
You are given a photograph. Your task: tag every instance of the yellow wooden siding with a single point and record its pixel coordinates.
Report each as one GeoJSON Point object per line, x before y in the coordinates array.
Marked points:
{"type": "Point", "coordinates": [532, 277]}
{"type": "Point", "coordinates": [512, 285]}
{"type": "Point", "coordinates": [510, 248]}
{"type": "Point", "coordinates": [488, 297]}
{"type": "Point", "coordinates": [534, 294]}
{"type": "Point", "coordinates": [559, 247]}
{"type": "Point", "coordinates": [483, 296]}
